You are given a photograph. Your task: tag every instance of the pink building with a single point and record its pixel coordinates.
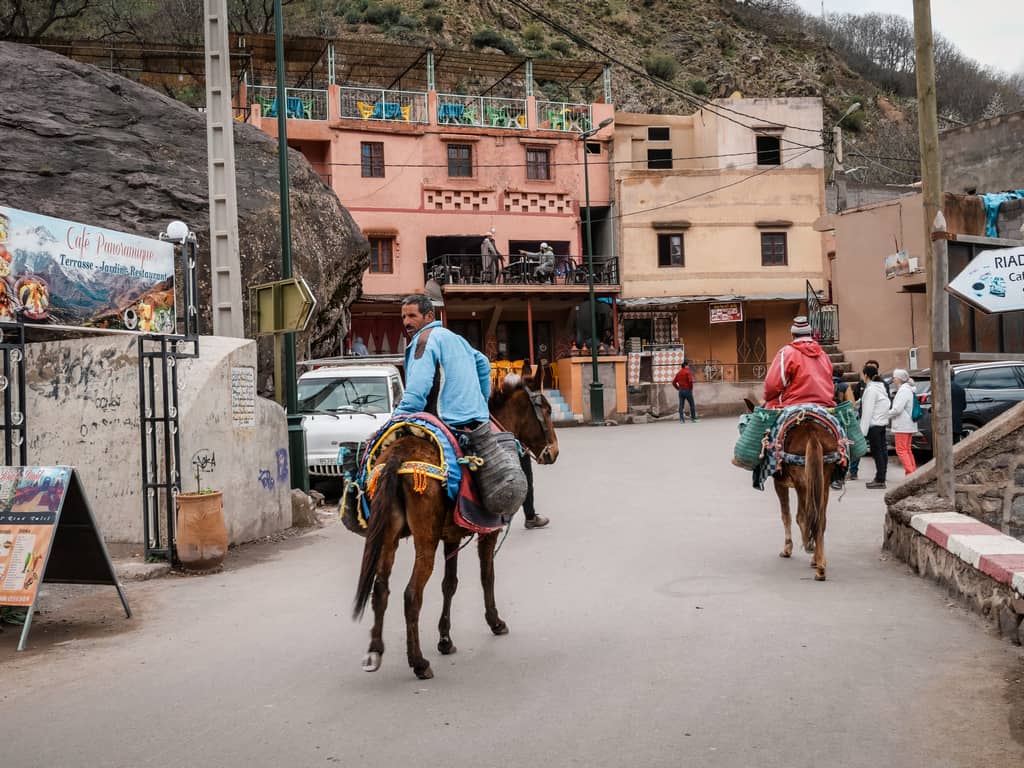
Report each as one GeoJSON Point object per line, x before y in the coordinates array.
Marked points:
{"type": "Point", "coordinates": [430, 150]}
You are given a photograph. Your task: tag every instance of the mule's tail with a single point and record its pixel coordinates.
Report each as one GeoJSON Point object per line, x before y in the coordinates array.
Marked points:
{"type": "Point", "coordinates": [385, 497]}
{"type": "Point", "coordinates": [817, 484]}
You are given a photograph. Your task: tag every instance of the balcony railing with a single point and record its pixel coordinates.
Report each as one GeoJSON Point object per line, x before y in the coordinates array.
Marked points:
{"type": "Point", "coordinates": [301, 103]}
{"type": "Point", "coordinates": [481, 111]}
{"type": "Point", "coordinates": [384, 105]}
{"type": "Point", "coordinates": [563, 116]}
{"type": "Point", "coordinates": [822, 317]}
{"type": "Point", "coordinates": [468, 269]}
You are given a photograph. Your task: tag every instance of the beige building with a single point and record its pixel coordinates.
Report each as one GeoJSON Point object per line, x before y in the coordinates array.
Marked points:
{"type": "Point", "coordinates": [715, 232]}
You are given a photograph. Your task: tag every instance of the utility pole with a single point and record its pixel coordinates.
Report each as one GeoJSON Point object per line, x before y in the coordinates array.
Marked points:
{"type": "Point", "coordinates": [934, 234]}
{"type": "Point", "coordinates": [225, 266]}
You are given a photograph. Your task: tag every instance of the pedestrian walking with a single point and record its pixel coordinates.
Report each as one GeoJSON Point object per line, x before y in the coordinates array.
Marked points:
{"type": "Point", "coordinates": [533, 520]}
{"type": "Point", "coordinates": [858, 393]}
{"type": "Point", "coordinates": [903, 424]}
{"type": "Point", "coordinates": [958, 398]}
{"type": "Point", "coordinates": [683, 382]}
{"type": "Point", "coordinates": [874, 418]}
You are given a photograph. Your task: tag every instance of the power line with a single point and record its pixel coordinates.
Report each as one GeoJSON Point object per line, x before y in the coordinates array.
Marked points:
{"type": "Point", "coordinates": [687, 95]}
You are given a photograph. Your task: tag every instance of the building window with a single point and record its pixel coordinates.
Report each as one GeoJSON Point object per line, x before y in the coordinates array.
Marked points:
{"type": "Point", "coordinates": [538, 164]}
{"type": "Point", "coordinates": [373, 159]}
{"type": "Point", "coordinates": [659, 159]}
{"type": "Point", "coordinates": [773, 249]}
{"type": "Point", "coordinates": [769, 150]}
{"type": "Point", "coordinates": [460, 160]}
{"type": "Point", "coordinates": [382, 250]}
{"type": "Point", "coordinates": [670, 250]}
{"type": "Point", "coordinates": [593, 147]}
{"type": "Point", "coordinates": [658, 134]}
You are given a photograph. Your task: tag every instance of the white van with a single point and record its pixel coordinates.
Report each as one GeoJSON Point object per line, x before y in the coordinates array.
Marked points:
{"type": "Point", "coordinates": [341, 407]}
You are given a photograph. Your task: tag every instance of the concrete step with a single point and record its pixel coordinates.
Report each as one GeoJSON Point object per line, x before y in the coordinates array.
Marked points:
{"type": "Point", "coordinates": [831, 349]}
{"type": "Point", "coordinates": [837, 357]}
{"type": "Point", "coordinates": [843, 367]}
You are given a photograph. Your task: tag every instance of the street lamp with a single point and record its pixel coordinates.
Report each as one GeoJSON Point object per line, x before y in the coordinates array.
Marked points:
{"type": "Point", "coordinates": [596, 389]}
{"type": "Point", "coordinates": [178, 232]}
{"type": "Point", "coordinates": [837, 157]}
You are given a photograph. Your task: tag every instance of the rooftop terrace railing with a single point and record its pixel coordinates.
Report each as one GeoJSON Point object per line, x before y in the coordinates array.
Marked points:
{"type": "Point", "coordinates": [515, 269]}
{"type": "Point", "coordinates": [481, 111]}
{"type": "Point", "coordinates": [564, 116]}
{"type": "Point", "coordinates": [301, 103]}
{"type": "Point", "coordinates": [384, 105]}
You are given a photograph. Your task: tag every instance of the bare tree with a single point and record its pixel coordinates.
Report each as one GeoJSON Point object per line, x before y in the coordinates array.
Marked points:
{"type": "Point", "coordinates": [31, 19]}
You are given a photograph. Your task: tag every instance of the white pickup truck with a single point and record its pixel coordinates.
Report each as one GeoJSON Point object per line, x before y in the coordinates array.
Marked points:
{"type": "Point", "coordinates": [342, 406]}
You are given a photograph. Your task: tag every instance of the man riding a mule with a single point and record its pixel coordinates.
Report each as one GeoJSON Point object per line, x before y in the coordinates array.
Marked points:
{"type": "Point", "coordinates": [797, 435]}
{"type": "Point", "coordinates": [444, 375]}
{"type": "Point", "coordinates": [801, 371]}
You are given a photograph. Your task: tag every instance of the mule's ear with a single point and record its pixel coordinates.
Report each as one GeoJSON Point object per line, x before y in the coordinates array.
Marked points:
{"type": "Point", "coordinates": [750, 404]}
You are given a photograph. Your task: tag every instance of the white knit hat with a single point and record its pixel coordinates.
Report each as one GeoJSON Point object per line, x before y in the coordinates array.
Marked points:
{"type": "Point", "coordinates": [800, 326]}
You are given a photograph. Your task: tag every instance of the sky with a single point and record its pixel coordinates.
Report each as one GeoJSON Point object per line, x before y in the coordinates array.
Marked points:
{"type": "Point", "coordinates": [989, 31]}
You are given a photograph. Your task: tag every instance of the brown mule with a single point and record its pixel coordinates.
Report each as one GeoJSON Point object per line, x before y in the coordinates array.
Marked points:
{"type": "Point", "coordinates": [399, 509]}
{"type": "Point", "coordinates": [811, 481]}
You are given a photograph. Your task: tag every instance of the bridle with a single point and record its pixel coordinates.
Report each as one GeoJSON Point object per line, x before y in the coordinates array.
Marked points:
{"type": "Point", "coordinates": [537, 401]}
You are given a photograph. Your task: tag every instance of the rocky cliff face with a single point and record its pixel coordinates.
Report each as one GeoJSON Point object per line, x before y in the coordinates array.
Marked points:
{"type": "Point", "coordinates": [84, 145]}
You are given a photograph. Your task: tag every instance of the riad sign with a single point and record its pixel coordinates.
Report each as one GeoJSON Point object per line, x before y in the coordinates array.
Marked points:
{"type": "Point", "coordinates": [61, 273]}
{"type": "Point", "coordinates": [993, 281]}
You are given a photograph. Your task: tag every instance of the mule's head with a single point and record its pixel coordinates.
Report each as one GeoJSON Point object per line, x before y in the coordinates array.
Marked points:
{"type": "Point", "coordinates": [527, 414]}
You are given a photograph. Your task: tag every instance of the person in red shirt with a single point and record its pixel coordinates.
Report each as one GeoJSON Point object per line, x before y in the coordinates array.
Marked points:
{"type": "Point", "coordinates": [801, 372]}
{"type": "Point", "coordinates": [683, 382]}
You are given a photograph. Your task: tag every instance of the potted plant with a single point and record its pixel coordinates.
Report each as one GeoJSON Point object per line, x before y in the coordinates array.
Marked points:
{"type": "Point", "coordinates": [201, 535]}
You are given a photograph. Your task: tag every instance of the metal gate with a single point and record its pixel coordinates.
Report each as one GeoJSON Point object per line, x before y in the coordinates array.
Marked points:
{"type": "Point", "coordinates": [12, 384]}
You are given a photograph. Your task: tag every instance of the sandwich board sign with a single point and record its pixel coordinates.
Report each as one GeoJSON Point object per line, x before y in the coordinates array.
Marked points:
{"type": "Point", "coordinates": [48, 533]}
{"type": "Point", "coordinates": [993, 281]}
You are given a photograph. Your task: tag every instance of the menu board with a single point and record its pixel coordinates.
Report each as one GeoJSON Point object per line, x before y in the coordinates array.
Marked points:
{"type": "Point", "coordinates": [30, 502]}
{"type": "Point", "coordinates": [48, 533]}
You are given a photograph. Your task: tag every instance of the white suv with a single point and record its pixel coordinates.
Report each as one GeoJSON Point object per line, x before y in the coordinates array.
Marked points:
{"type": "Point", "coordinates": [342, 406]}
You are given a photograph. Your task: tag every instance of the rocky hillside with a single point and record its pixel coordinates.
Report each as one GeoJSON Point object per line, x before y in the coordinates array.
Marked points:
{"type": "Point", "coordinates": [88, 146]}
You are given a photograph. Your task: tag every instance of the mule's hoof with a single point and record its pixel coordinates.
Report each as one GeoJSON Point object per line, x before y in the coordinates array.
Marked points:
{"type": "Point", "coordinates": [501, 628]}
{"type": "Point", "coordinates": [371, 661]}
{"type": "Point", "coordinates": [446, 647]}
{"type": "Point", "coordinates": [819, 576]}
{"type": "Point", "coordinates": [787, 552]}
{"type": "Point", "coordinates": [424, 674]}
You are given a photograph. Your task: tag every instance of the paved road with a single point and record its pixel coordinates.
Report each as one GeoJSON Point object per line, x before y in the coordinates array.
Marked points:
{"type": "Point", "coordinates": [652, 624]}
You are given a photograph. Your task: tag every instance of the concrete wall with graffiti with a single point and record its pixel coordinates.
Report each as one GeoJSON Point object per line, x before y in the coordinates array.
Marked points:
{"type": "Point", "coordinates": [83, 410]}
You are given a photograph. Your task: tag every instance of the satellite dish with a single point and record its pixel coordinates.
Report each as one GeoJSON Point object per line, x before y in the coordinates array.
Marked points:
{"type": "Point", "coordinates": [433, 291]}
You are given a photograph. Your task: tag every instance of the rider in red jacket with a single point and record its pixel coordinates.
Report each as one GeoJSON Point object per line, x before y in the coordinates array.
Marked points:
{"type": "Point", "coordinates": [801, 372]}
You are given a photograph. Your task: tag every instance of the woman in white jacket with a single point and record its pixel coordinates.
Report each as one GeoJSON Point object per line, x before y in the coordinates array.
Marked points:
{"type": "Point", "coordinates": [874, 418]}
{"type": "Point", "coordinates": [903, 425]}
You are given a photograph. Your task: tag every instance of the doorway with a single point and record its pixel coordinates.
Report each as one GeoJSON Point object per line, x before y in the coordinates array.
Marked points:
{"type": "Point", "coordinates": [751, 350]}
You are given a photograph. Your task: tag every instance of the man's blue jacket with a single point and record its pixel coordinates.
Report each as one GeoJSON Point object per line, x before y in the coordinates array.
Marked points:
{"type": "Point", "coordinates": [445, 376]}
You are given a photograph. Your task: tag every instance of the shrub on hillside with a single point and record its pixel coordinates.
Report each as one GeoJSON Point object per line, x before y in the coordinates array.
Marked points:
{"type": "Point", "coordinates": [385, 14]}
{"type": "Point", "coordinates": [434, 22]}
{"type": "Point", "coordinates": [534, 33]}
{"type": "Point", "coordinates": [661, 65]}
{"type": "Point", "coordinates": [491, 38]}
{"type": "Point", "coordinates": [561, 46]}
{"type": "Point", "coordinates": [428, 4]}
{"type": "Point", "coordinates": [699, 87]}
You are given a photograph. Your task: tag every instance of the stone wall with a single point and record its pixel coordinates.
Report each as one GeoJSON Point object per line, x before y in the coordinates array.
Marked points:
{"type": "Point", "coordinates": [82, 410]}
{"type": "Point", "coordinates": [959, 544]}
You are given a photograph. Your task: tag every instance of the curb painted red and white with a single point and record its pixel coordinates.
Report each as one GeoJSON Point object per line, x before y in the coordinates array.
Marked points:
{"type": "Point", "coordinates": [981, 546]}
